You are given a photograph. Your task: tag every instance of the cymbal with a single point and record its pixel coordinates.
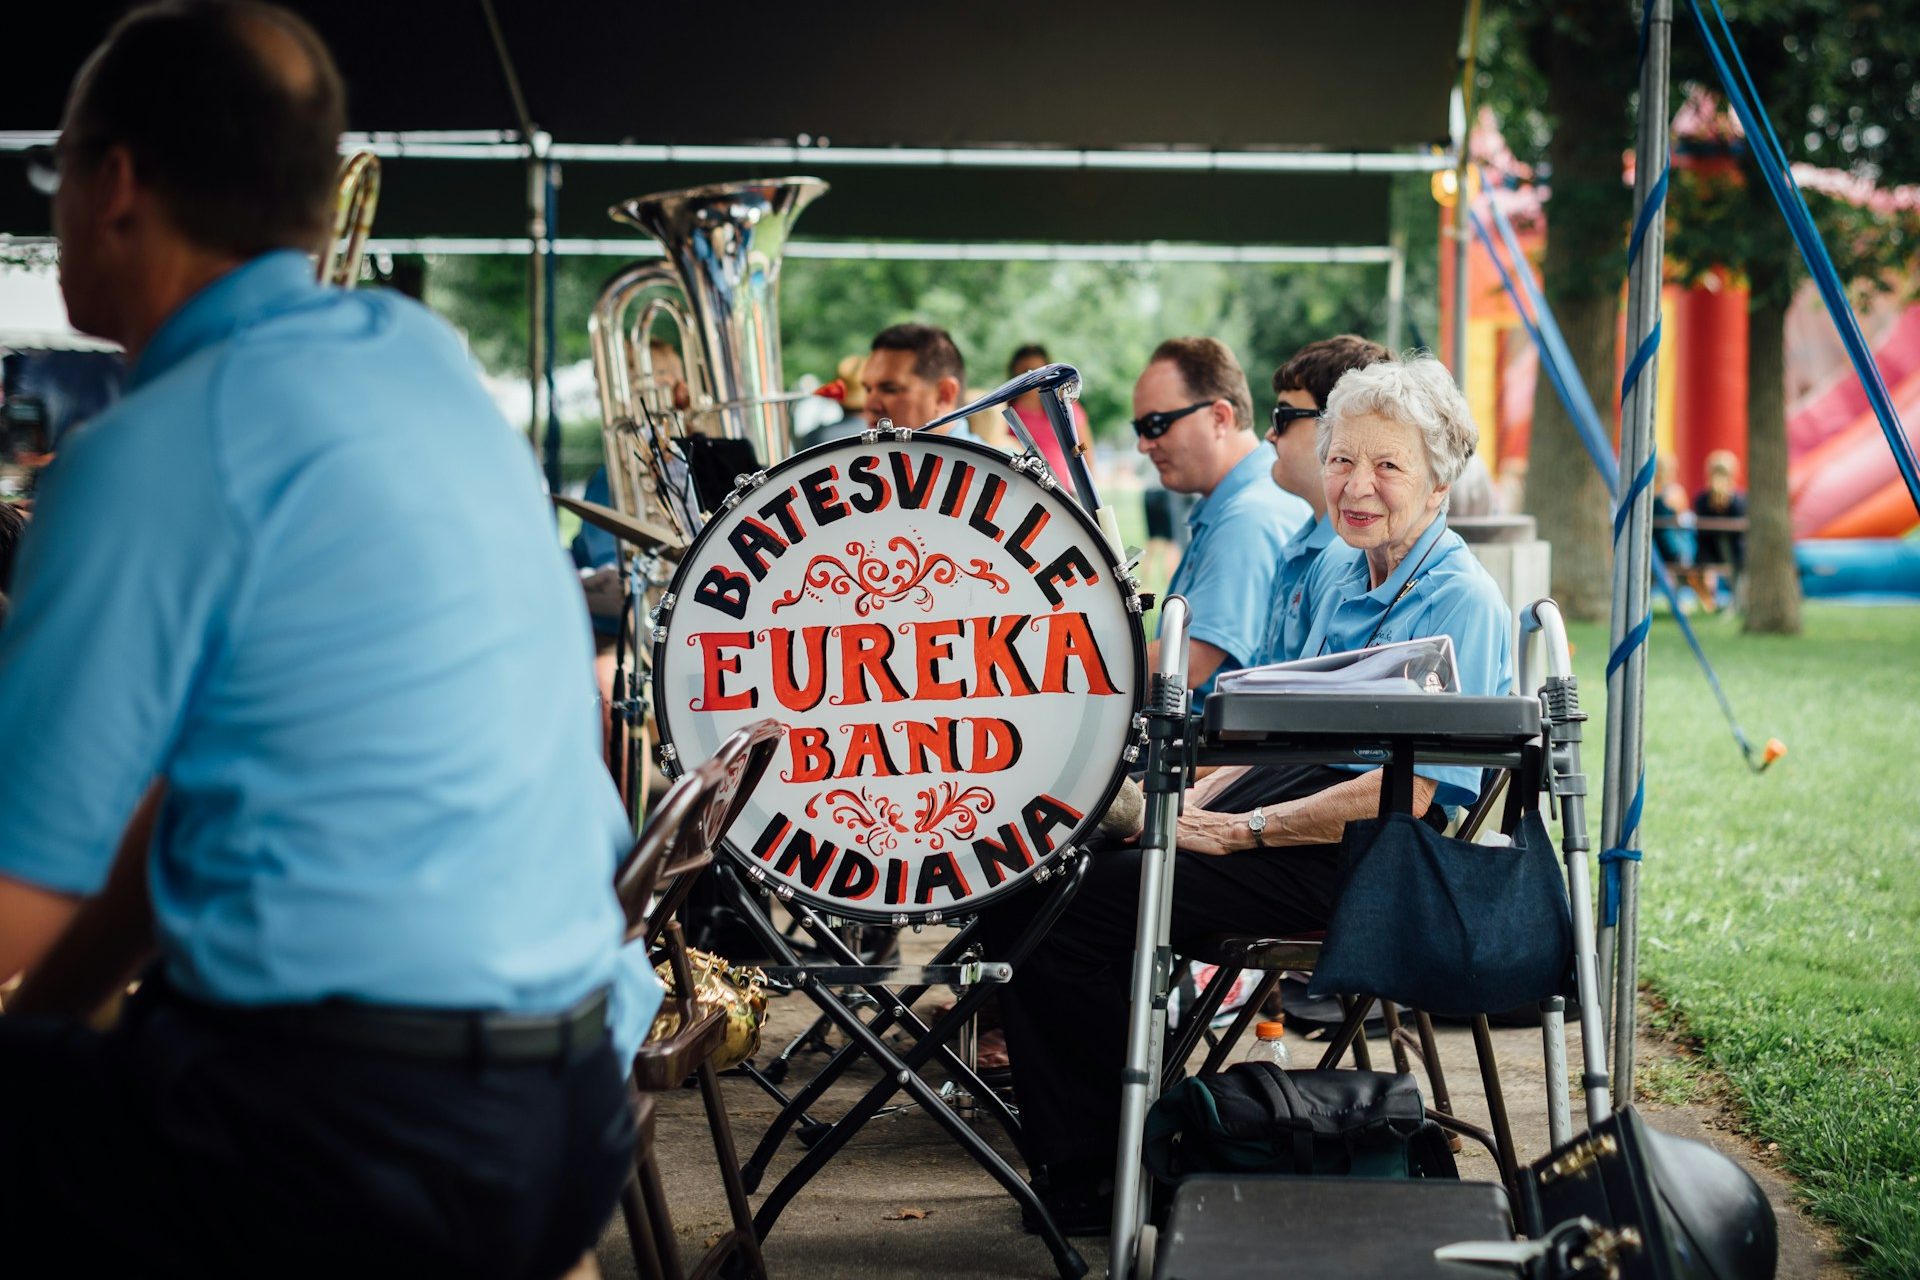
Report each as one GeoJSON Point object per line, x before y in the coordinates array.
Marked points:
{"type": "Point", "coordinates": [640, 533]}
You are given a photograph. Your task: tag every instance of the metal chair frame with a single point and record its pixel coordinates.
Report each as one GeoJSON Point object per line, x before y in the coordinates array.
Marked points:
{"type": "Point", "coordinates": [1176, 742]}
{"type": "Point", "coordinates": [1276, 956]}
{"type": "Point", "coordinates": [652, 882]}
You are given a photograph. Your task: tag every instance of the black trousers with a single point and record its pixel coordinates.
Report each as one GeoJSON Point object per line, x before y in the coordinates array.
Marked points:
{"type": "Point", "coordinates": [1065, 1012]}
{"type": "Point", "coordinates": [182, 1145]}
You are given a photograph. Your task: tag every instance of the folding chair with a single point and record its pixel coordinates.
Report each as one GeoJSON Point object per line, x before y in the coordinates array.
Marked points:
{"type": "Point", "coordinates": [652, 882]}
{"type": "Point", "coordinates": [1272, 957]}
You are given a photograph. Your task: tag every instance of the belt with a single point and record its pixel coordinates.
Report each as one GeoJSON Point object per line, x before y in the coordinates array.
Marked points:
{"type": "Point", "coordinates": [481, 1037]}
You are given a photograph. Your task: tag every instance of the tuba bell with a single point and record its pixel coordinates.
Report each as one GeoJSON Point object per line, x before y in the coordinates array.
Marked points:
{"type": "Point", "coordinates": [719, 290]}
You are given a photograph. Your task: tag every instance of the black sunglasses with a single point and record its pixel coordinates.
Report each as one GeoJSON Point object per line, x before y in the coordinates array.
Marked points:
{"type": "Point", "coordinates": [1151, 426]}
{"type": "Point", "coordinates": [1285, 415]}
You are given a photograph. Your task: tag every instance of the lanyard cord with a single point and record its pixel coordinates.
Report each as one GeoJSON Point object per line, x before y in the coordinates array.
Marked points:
{"type": "Point", "coordinates": [1412, 579]}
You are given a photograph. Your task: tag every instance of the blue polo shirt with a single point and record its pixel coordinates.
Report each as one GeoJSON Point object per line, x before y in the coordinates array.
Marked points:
{"type": "Point", "coordinates": [304, 572]}
{"type": "Point", "coordinates": [1451, 595]}
{"type": "Point", "coordinates": [1227, 573]}
{"type": "Point", "coordinates": [1290, 615]}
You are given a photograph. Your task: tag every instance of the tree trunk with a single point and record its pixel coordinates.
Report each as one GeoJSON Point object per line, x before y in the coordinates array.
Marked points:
{"type": "Point", "coordinates": [1772, 580]}
{"type": "Point", "coordinates": [1575, 48]}
{"type": "Point", "coordinates": [1565, 493]}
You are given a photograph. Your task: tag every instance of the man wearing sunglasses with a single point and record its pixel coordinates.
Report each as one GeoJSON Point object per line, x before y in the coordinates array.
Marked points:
{"type": "Point", "coordinates": [373, 864]}
{"type": "Point", "coordinates": [1193, 415]}
{"type": "Point", "coordinates": [1301, 387]}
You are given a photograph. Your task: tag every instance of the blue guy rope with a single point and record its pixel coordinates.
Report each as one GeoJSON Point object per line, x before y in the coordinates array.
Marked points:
{"type": "Point", "coordinates": [1774, 167]}
{"type": "Point", "coordinates": [1537, 318]}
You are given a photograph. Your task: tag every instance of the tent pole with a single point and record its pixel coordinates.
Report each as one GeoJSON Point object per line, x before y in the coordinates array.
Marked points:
{"type": "Point", "coordinates": [536, 294]}
{"type": "Point", "coordinates": [1632, 568]}
{"type": "Point", "coordinates": [1460, 300]}
{"type": "Point", "coordinates": [1397, 290]}
{"type": "Point", "coordinates": [549, 340]}
{"type": "Point", "coordinates": [1462, 174]}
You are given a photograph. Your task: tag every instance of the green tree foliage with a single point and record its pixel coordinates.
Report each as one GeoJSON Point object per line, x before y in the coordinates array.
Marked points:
{"type": "Point", "coordinates": [1838, 80]}
{"type": "Point", "coordinates": [1104, 318]}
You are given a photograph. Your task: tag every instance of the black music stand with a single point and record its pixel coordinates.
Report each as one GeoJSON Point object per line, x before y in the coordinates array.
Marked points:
{"type": "Point", "coordinates": [899, 1071]}
{"type": "Point", "coordinates": [1388, 731]}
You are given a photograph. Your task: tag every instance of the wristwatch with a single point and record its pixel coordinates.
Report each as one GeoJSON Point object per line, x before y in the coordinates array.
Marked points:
{"type": "Point", "coordinates": [1256, 823]}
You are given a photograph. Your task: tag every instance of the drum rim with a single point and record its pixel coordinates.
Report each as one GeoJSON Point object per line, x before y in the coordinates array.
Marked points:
{"type": "Point", "coordinates": [1075, 842]}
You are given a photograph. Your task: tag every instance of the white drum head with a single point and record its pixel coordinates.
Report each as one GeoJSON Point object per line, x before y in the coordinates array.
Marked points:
{"type": "Point", "coordinates": [953, 654]}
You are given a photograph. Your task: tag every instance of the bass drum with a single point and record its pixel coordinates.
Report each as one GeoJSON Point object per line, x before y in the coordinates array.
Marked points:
{"type": "Point", "coordinates": [954, 653]}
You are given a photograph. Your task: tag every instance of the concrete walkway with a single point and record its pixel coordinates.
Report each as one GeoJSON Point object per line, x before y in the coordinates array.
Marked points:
{"type": "Point", "coordinates": [902, 1200]}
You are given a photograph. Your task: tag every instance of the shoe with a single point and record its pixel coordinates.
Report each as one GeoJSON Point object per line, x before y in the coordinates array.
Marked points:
{"type": "Point", "coordinates": [1079, 1199]}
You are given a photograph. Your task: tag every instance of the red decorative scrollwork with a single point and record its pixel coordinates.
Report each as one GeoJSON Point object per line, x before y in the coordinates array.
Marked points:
{"type": "Point", "coordinates": [947, 810]}
{"type": "Point", "coordinates": [874, 581]}
{"type": "Point", "coordinates": [874, 820]}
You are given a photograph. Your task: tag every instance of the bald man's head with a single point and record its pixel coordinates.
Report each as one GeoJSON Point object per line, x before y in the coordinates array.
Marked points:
{"type": "Point", "coordinates": [230, 110]}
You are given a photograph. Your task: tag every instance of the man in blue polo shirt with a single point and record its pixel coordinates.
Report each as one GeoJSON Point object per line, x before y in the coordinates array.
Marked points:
{"type": "Point", "coordinates": [1193, 415]}
{"type": "Point", "coordinates": [373, 866]}
{"type": "Point", "coordinates": [1301, 387]}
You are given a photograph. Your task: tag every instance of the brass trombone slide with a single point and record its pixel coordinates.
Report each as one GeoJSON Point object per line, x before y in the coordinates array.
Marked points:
{"type": "Point", "coordinates": [356, 195]}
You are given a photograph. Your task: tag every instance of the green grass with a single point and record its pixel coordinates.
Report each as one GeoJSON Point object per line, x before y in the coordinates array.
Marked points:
{"type": "Point", "coordinates": [1780, 914]}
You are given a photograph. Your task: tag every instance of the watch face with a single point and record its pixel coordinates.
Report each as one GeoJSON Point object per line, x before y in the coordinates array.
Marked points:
{"type": "Point", "coordinates": [1258, 822]}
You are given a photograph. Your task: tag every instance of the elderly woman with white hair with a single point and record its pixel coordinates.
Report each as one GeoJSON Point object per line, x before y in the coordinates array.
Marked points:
{"type": "Point", "coordinates": [1393, 439]}
{"type": "Point", "coordinates": [1259, 848]}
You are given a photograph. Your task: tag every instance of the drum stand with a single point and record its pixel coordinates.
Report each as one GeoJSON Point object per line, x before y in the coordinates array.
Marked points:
{"type": "Point", "coordinates": [955, 965]}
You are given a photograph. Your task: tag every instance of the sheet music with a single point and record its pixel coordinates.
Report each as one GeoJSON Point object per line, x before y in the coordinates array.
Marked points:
{"type": "Point", "coordinates": [1411, 666]}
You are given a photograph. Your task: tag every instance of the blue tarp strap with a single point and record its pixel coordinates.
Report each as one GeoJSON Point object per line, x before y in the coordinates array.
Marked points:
{"type": "Point", "coordinates": [1610, 860]}
{"type": "Point", "coordinates": [1545, 333]}
{"type": "Point", "coordinates": [1642, 481]}
{"type": "Point", "coordinates": [1537, 318]}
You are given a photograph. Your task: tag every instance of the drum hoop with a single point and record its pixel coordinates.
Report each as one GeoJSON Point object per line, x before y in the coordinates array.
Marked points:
{"type": "Point", "coordinates": [1075, 841]}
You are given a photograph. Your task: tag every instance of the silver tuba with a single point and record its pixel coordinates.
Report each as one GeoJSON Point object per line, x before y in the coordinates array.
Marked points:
{"type": "Point", "coordinates": [719, 288]}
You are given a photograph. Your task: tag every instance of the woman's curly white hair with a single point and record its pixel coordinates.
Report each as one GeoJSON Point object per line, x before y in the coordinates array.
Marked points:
{"type": "Point", "coordinates": [1417, 391]}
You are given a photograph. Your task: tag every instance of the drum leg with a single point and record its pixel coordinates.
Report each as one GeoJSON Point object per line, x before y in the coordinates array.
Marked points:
{"type": "Point", "coordinates": [890, 1006]}
{"type": "Point", "coordinates": [902, 1073]}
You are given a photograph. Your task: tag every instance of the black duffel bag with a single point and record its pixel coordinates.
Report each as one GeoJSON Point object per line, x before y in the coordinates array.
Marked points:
{"type": "Point", "coordinates": [1256, 1118]}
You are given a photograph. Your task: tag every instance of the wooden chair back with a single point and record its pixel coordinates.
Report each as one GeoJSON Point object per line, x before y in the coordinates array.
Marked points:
{"type": "Point", "coordinates": [723, 784]}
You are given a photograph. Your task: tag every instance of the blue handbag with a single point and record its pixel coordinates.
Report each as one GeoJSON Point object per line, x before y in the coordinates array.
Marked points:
{"type": "Point", "coordinates": [1444, 925]}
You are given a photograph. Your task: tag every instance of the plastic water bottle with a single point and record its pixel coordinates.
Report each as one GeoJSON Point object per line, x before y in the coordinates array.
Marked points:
{"type": "Point", "coordinates": [1268, 1045]}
